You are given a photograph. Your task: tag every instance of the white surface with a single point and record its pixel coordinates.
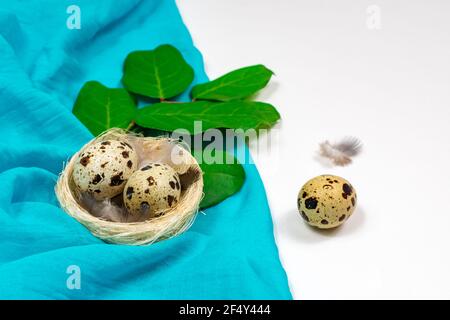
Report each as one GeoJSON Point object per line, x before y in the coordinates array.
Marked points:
{"type": "Point", "coordinates": [336, 77]}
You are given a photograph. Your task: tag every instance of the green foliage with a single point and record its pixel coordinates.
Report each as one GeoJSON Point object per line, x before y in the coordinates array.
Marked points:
{"type": "Point", "coordinates": [100, 108]}
{"type": "Point", "coordinates": [238, 84]}
{"type": "Point", "coordinates": [221, 179]}
{"type": "Point", "coordinates": [234, 115]}
{"type": "Point", "coordinates": [161, 73]}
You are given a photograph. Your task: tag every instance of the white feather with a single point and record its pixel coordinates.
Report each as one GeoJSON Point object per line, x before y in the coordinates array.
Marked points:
{"type": "Point", "coordinates": [341, 152]}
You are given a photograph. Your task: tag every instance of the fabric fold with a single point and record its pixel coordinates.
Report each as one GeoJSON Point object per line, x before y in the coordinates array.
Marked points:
{"type": "Point", "coordinates": [229, 253]}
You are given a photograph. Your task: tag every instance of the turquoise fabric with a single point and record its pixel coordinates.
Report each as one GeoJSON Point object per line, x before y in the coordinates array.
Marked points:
{"type": "Point", "coordinates": [229, 253]}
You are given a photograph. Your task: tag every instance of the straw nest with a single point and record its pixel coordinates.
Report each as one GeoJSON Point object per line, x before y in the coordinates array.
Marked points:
{"type": "Point", "coordinates": [173, 222]}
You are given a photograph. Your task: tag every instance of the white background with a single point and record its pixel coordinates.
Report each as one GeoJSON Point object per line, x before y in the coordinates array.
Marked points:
{"type": "Point", "coordinates": [335, 76]}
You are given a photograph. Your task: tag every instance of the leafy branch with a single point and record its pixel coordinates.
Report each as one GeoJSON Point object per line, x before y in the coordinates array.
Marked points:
{"type": "Point", "coordinates": [163, 74]}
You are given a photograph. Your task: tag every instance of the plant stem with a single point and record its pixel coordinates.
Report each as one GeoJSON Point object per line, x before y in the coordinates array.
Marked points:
{"type": "Point", "coordinates": [131, 125]}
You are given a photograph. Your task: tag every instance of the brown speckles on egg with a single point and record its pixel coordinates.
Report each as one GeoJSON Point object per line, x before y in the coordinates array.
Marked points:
{"type": "Point", "coordinates": [97, 179]}
{"type": "Point", "coordinates": [98, 164]}
{"type": "Point", "coordinates": [304, 216]}
{"type": "Point", "coordinates": [151, 181]}
{"type": "Point", "coordinates": [336, 203]}
{"type": "Point", "coordinates": [126, 144]}
{"type": "Point", "coordinates": [155, 184]}
{"type": "Point", "coordinates": [311, 203]}
{"type": "Point", "coordinates": [129, 193]}
{"type": "Point", "coordinates": [117, 179]}
{"type": "Point", "coordinates": [170, 200]}
{"type": "Point", "coordinates": [125, 154]}
{"type": "Point", "coordinates": [347, 189]}
{"type": "Point", "coordinates": [129, 164]}
{"type": "Point", "coordinates": [85, 160]}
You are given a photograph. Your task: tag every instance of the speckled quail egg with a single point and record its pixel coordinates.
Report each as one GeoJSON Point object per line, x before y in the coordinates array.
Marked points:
{"type": "Point", "coordinates": [326, 201]}
{"type": "Point", "coordinates": [152, 190]}
{"type": "Point", "coordinates": [103, 168]}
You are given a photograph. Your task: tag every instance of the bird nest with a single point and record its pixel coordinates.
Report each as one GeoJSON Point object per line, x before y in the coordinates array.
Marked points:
{"type": "Point", "coordinates": [105, 220]}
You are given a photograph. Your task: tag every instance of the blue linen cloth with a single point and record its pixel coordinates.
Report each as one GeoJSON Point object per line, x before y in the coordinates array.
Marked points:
{"type": "Point", "coordinates": [229, 253]}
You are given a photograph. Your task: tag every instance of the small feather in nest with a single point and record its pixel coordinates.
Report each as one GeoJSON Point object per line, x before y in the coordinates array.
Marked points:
{"type": "Point", "coordinates": [341, 152]}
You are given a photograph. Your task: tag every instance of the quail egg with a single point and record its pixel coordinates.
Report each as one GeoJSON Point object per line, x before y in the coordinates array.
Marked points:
{"type": "Point", "coordinates": [326, 201]}
{"type": "Point", "coordinates": [103, 168]}
{"type": "Point", "coordinates": [152, 190]}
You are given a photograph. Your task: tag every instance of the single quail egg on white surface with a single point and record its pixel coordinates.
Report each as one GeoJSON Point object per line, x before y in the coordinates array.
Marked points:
{"type": "Point", "coordinates": [326, 201]}
{"type": "Point", "coordinates": [103, 168]}
{"type": "Point", "coordinates": [152, 190]}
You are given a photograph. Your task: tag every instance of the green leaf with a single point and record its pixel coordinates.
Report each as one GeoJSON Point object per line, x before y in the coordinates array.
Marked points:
{"type": "Point", "coordinates": [235, 85]}
{"type": "Point", "coordinates": [233, 115]}
{"type": "Point", "coordinates": [221, 180]}
{"type": "Point", "coordinates": [161, 73]}
{"type": "Point", "coordinates": [100, 108]}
